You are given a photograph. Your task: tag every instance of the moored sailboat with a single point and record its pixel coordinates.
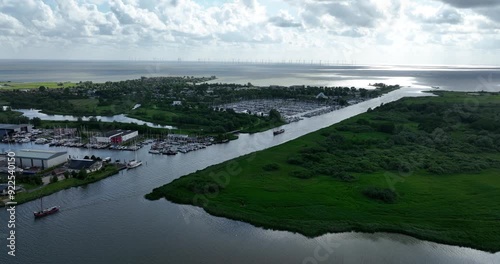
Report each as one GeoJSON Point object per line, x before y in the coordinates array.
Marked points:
{"type": "Point", "coordinates": [134, 163]}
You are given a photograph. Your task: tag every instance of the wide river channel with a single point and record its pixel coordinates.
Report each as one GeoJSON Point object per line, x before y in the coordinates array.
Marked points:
{"type": "Point", "coordinates": [111, 222]}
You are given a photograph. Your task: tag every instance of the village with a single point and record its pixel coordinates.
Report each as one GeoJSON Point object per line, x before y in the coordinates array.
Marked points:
{"type": "Point", "coordinates": [39, 167]}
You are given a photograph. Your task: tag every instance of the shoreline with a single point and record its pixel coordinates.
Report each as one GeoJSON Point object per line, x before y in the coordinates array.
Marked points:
{"type": "Point", "coordinates": [277, 224]}
{"type": "Point", "coordinates": [276, 197]}
{"type": "Point", "coordinates": [51, 188]}
{"type": "Point", "coordinates": [347, 229]}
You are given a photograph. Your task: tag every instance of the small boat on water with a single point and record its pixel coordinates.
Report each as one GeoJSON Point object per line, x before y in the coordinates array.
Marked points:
{"type": "Point", "coordinates": [41, 141]}
{"type": "Point", "coordinates": [133, 164]}
{"type": "Point", "coordinates": [170, 152]}
{"type": "Point", "coordinates": [45, 212]}
{"type": "Point", "coordinates": [277, 132]}
{"type": "Point", "coordinates": [154, 151]}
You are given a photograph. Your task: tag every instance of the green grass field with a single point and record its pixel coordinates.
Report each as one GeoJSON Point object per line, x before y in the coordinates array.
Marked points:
{"type": "Point", "coordinates": [443, 197]}
{"type": "Point", "coordinates": [91, 106]}
{"type": "Point", "coordinates": [35, 85]}
{"type": "Point", "coordinates": [152, 115]}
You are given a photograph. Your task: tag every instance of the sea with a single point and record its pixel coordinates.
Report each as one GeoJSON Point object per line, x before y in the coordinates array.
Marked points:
{"type": "Point", "coordinates": [455, 78]}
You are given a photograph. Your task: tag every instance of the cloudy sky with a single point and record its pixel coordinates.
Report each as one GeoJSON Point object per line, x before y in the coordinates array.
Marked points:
{"type": "Point", "coordinates": [360, 31]}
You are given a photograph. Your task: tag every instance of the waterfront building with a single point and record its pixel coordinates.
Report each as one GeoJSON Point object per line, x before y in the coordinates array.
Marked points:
{"type": "Point", "coordinates": [10, 129]}
{"type": "Point", "coordinates": [40, 158]}
{"type": "Point", "coordinates": [89, 165]}
{"type": "Point", "coordinates": [117, 136]}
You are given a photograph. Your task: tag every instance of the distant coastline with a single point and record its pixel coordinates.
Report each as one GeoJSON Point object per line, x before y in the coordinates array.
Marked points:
{"type": "Point", "coordinates": [331, 74]}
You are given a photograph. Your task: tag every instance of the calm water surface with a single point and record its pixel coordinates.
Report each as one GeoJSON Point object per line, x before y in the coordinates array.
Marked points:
{"type": "Point", "coordinates": [111, 222]}
{"type": "Point", "coordinates": [458, 78]}
{"type": "Point", "coordinates": [31, 113]}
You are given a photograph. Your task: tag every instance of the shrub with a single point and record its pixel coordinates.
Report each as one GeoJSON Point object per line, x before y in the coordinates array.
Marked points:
{"type": "Point", "coordinates": [54, 179]}
{"type": "Point", "coordinates": [82, 174]}
{"type": "Point", "coordinates": [363, 121]}
{"type": "Point", "coordinates": [347, 178]}
{"type": "Point", "coordinates": [388, 128]}
{"type": "Point", "coordinates": [271, 167]}
{"type": "Point", "coordinates": [204, 186]}
{"type": "Point", "coordinates": [382, 194]}
{"type": "Point", "coordinates": [295, 160]}
{"type": "Point", "coordinates": [325, 133]}
{"type": "Point", "coordinates": [302, 174]}
{"type": "Point", "coordinates": [324, 169]}
{"type": "Point", "coordinates": [343, 176]}
{"type": "Point", "coordinates": [313, 150]}
{"type": "Point", "coordinates": [316, 158]}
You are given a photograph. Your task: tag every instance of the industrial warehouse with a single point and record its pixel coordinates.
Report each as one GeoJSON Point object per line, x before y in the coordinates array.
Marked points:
{"type": "Point", "coordinates": [43, 159]}
{"type": "Point", "coordinates": [10, 129]}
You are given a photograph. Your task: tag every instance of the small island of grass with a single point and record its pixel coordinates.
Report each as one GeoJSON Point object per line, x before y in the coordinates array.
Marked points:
{"type": "Point", "coordinates": [426, 167]}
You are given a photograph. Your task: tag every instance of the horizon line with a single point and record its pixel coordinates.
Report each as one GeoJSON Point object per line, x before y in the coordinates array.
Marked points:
{"type": "Point", "coordinates": [263, 62]}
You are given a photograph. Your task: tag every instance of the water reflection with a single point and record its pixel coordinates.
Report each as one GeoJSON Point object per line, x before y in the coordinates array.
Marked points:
{"type": "Point", "coordinates": [31, 113]}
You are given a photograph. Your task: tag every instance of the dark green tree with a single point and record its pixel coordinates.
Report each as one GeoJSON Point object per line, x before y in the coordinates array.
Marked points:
{"type": "Point", "coordinates": [54, 179]}
{"type": "Point", "coordinates": [274, 115]}
{"type": "Point", "coordinates": [82, 174]}
{"type": "Point", "coordinates": [36, 121]}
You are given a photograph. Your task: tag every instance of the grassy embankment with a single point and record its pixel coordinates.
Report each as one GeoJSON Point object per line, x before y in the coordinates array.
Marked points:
{"type": "Point", "coordinates": [434, 172]}
{"type": "Point", "coordinates": [51, 188]}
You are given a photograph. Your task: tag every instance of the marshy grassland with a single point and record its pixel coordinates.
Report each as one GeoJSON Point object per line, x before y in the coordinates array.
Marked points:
{"type": "Point", "coordinates": [426, 167]}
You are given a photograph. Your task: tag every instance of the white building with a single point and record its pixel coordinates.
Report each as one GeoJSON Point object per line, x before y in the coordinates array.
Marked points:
{"type": "Point", "coordinates": [117, 136]}
{"type": "Point", "coordinates": [40, 158]}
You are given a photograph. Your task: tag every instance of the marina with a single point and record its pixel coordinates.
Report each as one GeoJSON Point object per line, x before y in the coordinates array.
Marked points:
{"type": "Point", "coordinates": [180, 228]}
{"type": "Point", "coordinates": [180, 144]}
{"type": "Point", "coordinates": [291, 110]}
{"type": "Point", "coordinates": [170, 145]}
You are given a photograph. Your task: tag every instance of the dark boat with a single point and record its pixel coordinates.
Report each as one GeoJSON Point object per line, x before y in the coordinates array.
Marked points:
{"type": "Point", "coordinates": [171, 152]}
{"type": "Point", "coordinates": [277, 132]}
{"type": "Point", "coordinates": [45, 212]}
